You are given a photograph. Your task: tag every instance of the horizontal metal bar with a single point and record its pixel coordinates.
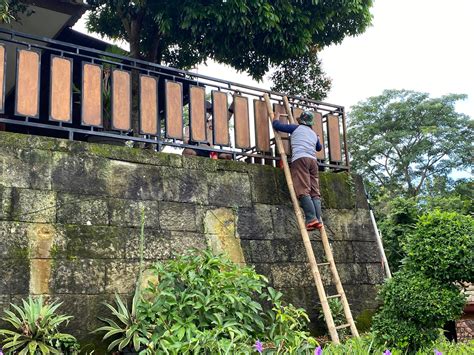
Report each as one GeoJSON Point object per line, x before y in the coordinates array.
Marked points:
{"type": "Point", "coordinates": [77, 48]}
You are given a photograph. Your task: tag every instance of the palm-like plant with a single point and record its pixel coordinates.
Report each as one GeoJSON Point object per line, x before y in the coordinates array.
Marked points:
{"type": "Point", "coordinates": [36, 331]}
{"type": "Point", "coordinates": [127, 329]}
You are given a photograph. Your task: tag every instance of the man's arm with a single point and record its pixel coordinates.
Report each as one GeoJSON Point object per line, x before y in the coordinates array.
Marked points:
{"type": "Point", "coordinates": [319, 146]}
{"type": "Point", "coordinates": [282, 127]}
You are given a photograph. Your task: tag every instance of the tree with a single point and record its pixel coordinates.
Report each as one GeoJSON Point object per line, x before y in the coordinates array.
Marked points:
{"type": "Point", "coordinates": [9, 10]}
{"type": "Point", "coordinates": [249, 35]}
{"type": "Point", "coordinates": [401, 138]}
{"type": "Point", "coordinates": [302, 76]}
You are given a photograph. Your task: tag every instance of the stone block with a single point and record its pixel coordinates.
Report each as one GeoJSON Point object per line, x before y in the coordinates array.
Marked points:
{"type": "Point", "coordinates": [24, 168]}
{"type": "Point", "coordinates": [4, 304]}
{"type": "Point", "coordinates": [121, 276]}
{"type": "Point", "coordinates": [342, 251]}
{"type": "Point", "coordinates": [162, 245]}
{"type": "Point", "coordinates": [284, 223]}
{"type": "Point", "coordinates": [13, 240]}
{"type": "Point", "coordinates": [5, 203]}
{"type": "Point", "coordinates": [361, 297]}
{"type": "Point", "coordinates": [128, 213]}
{"type": "Point", "coordinates": [199, 163]}
{"type": "Point", "coordinates": [183, 242]}
{"type": "Point", "coordinates": [42, 240]}
{"type": "Point", "coordinates": [229, 189]}
{"type": "Point", "coordinates": [273, 251]}
{"type": "Point", "coordinates": [80, 209]}
{"type": "Point", "coordinates": [14, 275]}
{"type": "Point", "coordinates": [78, 276]}
{"type": "Point", "coordinates": [337, 190]}
{"type": "Point", "coordinates": [134, 181]}
{"type": "Point", "coordinates": [284, 196]}
{"type": "Point", "coordinates": [139, 156]}
{"type": "Point", "coordinates": [255, 222]}
{"type": "Point", "coordinates": [352, 274]}
{"type": "Point", "coordinates": [360, 197]}
{"type": "Point", "coordinates": [181, 185]}
{"type": "Point", "coordinates": [178, 216]}
{"type": "Point", "coordinates": [79, 174]}
{"type": "Point", "coordinates": [40, 275]}
{"type": "Point", "coordinates": [91, 242]}
{"type": "Point", "coordinates": [296, 275]}
{"type": "Point", "coordinates": [33, 206]}
{"type": "Point", "coordinates": [366, 252]}
{"type": "Point", "coordinates": [264, 186]}
{"type": "Point", "coordinates": [375, 273]}
{"type": "Point", "coordinates": [264, 269]}
{"type": "Point", "coordinates": [294, 295]}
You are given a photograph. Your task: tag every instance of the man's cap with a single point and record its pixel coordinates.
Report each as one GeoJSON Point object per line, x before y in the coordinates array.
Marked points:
{"type": "Point", "coordinates": [307, 118]}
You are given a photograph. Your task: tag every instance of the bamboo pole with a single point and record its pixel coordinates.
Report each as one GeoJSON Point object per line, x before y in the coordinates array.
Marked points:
{"type": "Point", "coordinates": [337, 281]}
{"type": "Point", "coordinates": [329, 255]}
{"type": "Point", "coordinates": [302, 226]}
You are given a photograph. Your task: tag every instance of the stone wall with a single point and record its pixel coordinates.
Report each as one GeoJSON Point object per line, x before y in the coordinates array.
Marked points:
{"type": "Point", "coordinates": [70, 217]}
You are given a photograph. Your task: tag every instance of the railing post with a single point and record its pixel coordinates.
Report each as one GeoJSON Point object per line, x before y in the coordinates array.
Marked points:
{"type": "Point", "coordinates": [344, 136]}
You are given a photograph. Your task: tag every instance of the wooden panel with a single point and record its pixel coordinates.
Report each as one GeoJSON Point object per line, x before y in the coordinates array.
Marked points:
{"type": "Point", "coordinates": [91, 95]}
{"type": "Point", "coordinates": [220, 120]}
{"type": "Point", "coordinates": [3, 60]}
{"type": "Point", "coordinates": [318, 129]}
{"type": "Point", "coordinates": [174, 110]}
{"type": "Point", "coordinates": [148, 105]}
{"type": "Point", "coordinates": [334, 139]}
{"type": "Point", "coordinates": [61, 89]}
{"type": "Point", "coordinates": [28, 83]}
{"type": "Point", "coordinates": [197, 114]}
{"type": "Point", "coordinates": [283, 119]}
{"type": "Point", "coordinates": [262, 128]}
{"type": "Point", "coordinates": [241, 122]}
{"type": "Point", "coordinates": [297, 113]}
{"type": "Point", "coordinates": [121, 100]}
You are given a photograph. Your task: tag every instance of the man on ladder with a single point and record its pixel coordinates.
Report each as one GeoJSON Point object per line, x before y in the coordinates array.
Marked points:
{"type": "Point", "coordinates": [304, 166]}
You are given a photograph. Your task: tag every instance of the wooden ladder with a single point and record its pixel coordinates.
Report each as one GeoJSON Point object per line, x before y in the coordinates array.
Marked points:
{"type": "Point", "coordinates": [307, 243]}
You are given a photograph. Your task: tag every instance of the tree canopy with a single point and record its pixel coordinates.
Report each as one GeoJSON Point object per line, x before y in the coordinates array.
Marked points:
{"type": "Point", "coordinates": [249, 35]}
{"type": "Point", "coordinates": [401, 139]}
{"type": "Point", "coordinates": [302, 76]}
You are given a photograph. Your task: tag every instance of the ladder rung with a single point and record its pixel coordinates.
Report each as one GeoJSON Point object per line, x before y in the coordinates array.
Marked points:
{"type": "Point", "coordinates": [284, 114]}
{"type": "Point", "coordinates": [333, 296]}
{"type": "Point", "coordinates": [323, 264]}
{"type": "Point", "coordinates": [343, 326]}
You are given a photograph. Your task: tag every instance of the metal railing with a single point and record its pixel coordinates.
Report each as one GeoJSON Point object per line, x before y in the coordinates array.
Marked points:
{"type": "Point", "coordinates": [49, 87]}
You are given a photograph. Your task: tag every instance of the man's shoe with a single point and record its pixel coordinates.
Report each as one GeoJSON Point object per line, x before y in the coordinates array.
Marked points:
{"type": "Point", "coordinates": [312, 225]}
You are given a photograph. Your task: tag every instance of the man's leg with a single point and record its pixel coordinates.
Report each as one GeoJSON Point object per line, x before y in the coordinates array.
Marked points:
{"type": "Point", "coordinates": [315, 194]}
{"type": "Point", "coordinates": [302, 186]}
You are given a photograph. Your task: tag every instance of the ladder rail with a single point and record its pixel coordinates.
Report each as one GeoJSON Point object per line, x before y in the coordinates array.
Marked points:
{"type": "Point", "coordinates": [338, 283]}
{"type": "Point", "coordinates": [302, 226]}
{"type": "Point", "coordinates": [307, 243]}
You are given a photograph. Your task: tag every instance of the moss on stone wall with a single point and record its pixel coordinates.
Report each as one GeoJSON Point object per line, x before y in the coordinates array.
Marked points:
{"type": "Point", "coordinates": [90, 198]}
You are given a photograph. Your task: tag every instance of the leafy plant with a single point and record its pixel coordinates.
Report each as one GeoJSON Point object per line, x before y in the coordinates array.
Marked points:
{"type": "Point", "coordinates": [337, 311]}
{"type": "Point", "coordinates": [201, 303]}
{"type": "Point", "coordinates": [427, 305]}
{"type": "Point", "coordinates": [442, 247]}
{"type": "Point", "coordinates": [366, 344]}
{"type": "Point", "coordinates": [35, 330]}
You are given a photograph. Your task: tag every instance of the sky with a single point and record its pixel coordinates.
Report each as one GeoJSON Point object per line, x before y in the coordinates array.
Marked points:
{"type": "Point", "coordinates": [421, 45]}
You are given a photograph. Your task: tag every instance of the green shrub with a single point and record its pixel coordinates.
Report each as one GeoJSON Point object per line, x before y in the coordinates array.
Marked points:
{"type": "Point", "coordinates": [414, 308]}
{"type": "Point", "coordinates": [442, 247]}
{"type": "Point", "coordinates": [35, 330]}
{"type": "Point", "coordinates": [398, 219]}
{"type": "Point", "coordinates": [200, 303]}
{"type": "Point", "coordinates": [366, 344]}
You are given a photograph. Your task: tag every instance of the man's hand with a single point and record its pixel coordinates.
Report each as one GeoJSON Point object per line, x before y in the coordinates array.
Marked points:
{"type": "Point", "coordinates": [276, 116]}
